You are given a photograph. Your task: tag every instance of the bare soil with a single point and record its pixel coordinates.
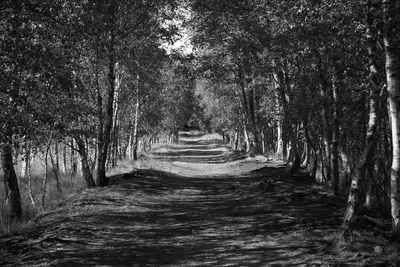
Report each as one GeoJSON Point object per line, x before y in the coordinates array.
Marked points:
{"type": "Point", "coordinates": [196, 204]}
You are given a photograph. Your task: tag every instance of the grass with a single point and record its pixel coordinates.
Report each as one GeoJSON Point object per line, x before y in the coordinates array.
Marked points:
{"type": "Point", "coordinates": [53, 196]}
{"type": "Point", "coordinates": [124, 166]}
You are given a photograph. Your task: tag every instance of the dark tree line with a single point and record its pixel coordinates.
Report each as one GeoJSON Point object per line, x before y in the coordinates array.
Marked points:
{"type": "Point", "coordinates": [312, 82]}
{"type": "Point", "coordinates": [83, 78]}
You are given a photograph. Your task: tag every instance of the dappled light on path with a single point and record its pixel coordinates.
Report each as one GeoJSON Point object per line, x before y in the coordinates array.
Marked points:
{"type": "Point", "coordinates": [189, 211]}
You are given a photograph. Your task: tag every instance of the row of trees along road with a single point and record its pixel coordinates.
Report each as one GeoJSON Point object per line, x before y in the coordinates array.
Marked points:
{"type": "Point", "coordinates": [316, 82]}
{"type": "Point", "coordinates": [87, 76]}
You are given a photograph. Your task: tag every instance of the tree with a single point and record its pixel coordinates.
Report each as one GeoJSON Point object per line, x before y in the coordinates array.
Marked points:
{"type": "Point", "coordinates": [28, 56]}
{"type": "Point", "coordinates": [391, 24]}
{"type": "Point", "coordinates": [106, 31]}
{"type": "Point", "coordinates": [372, 134]}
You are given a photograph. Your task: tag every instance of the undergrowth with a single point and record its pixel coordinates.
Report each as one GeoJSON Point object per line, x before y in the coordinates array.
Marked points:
{"type": "Point", "coordinates": [69, 185]}
{"type": "Point", "coordinates": [31, 209]}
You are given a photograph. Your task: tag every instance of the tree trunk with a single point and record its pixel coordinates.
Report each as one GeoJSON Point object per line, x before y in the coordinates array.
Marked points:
{"type": "Point", "coordinates": [73, 162]}
{"type": "Point", "coordinates": [336, 132]}
{"type": "Point", "coordinates": [313, 150]}
{"type": "Point", "coordinates": [279, 148]}
{"type": "Point", "coordinates": [248, 107]}
{"type": "Point", "coordinates": [135, 137]}
{"type": "Point", "coordinates": [106, 117]}
{"type": "Point", "coordinates": [57, 157]}
{"type": "Point", "coordinates": [91, 156]}
{"type": "Point", "coordinates": [10, 181]}
{"type": "Point", "coordinates": [390, 19]}
{"type": "Point", "coordinates": [294, 154]}
{"type": "Point", "coordinates": [86, 172]}
{"type": "Point", "coordinates": [128, 147]}
{"type": "Point", "coordinates": [370, 185]}
{"type": "Point", "coordinates": [30, 184]}
{"type": "Point", "coordinates": [108, 120]}
{"type": "Point", "coordinates": [25, 162]}
{"type": "Point", "coordinates": [305, 157]}
{"type": "Point", "coordinates": [283, 121]}
{"type": "Point", "coordinates": [296, 162]}
{"type": "Point", "coordinates": [263, 141]}
{"type": "Point", "coordinates": [246, 138]}
{"type": "Point", "coordinates": [326, 159]}
{"type": "Point", "coordinates": [237, 136]}
{"type": "Point", "coordinates": [372, 134]}
{"type": "Point", "coordinates": [46, 176]}
{"type": "Point", "coordinates": [64, 154]}
{"type": "Point", "coordinates": [254, 124]}
{"type": "Point", "coordinates": [54, 166]}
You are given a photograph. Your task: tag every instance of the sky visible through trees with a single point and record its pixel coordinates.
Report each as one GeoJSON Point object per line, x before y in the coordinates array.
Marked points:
{"type": "Point", "coordinates": [87, 86]}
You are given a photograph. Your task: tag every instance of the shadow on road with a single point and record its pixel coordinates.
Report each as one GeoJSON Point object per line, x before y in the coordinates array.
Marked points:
{"type": "Point", "coordinates": [155, 218]}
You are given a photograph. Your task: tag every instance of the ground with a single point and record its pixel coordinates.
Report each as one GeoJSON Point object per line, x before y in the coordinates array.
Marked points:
{"type": "Point", "coordinates": [195, 203]}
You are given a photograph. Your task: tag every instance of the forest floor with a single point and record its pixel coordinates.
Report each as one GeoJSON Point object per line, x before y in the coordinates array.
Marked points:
{"type": "Point", "coordinates": [195, 203]}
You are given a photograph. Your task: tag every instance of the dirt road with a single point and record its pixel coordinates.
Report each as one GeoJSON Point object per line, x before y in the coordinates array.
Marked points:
{"type": "Point", "coordinates": [192, 204]}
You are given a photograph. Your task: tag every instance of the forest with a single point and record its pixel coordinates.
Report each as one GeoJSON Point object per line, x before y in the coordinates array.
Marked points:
{"type": "Point", "coordinates": [88, 87]}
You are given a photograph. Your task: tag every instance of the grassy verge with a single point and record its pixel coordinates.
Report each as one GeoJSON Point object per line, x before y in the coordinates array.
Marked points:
{"type": "Point", "coordinates": [31, 208]}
